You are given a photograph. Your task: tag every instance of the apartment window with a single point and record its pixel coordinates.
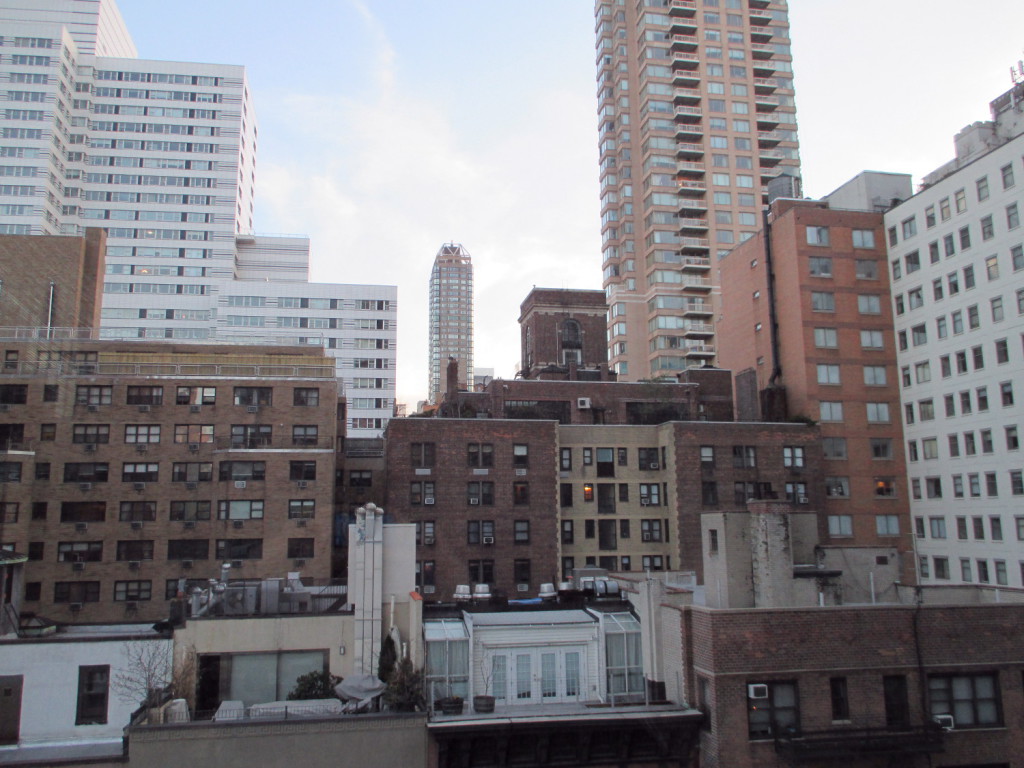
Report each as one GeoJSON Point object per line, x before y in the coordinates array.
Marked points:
{"type": "Point", "coordinates": [874, 375]}
{"type": "Point", "coordinates": [247, 509]}
{"type": "Point", "coordinates": [191, 471]}
{"type": "Point", "coordinates": [1012, 439]}
{"type": "Point", "coordinates": [777, 715]}
{"type": "Point", "coordinates": [744, 456]}
{"type": "Point", "coordinates": [823, 302]}
{"type": "Point", "coordinates": [195, 396]}
{"type": "Point", "coordinates": [93, 395]}
{"type": "Point", "coordinates": [1006, 393]}
{"type": "Point", "coordinates": [1006, 173]}
{"type": "Point", "coordinates": [520, 493]}
{"type": "Point", "coordinates": [881, 448]}
{"type": "Point", "coordinates": [863, 238]}
{"type": "Point", "coordinates": [919, 334]}
{"type": "Point", "coordinates": [828, 374]}
{"type": "Point", "coordinates": [869, 304]}
{"type": "Point", "coordinates": [137, 511]}
{"type": "Point", "coordinates": [972, 700]}
{"type": "Point", "coordinates": [250, 396]}
{"type": "Point", "coordinates": [820, 266]}
{"type": "Point", "coordinates": [141, 433]}
{"type": "Point", "coordinates": [188, 549]}
{"type": "Point", "coordinates": [301, 509]}
{"type": "Point", "coordinates": [826, 338]}
{"type": "Point", "coordinates": [1017, 489]}
{"type": "Point", "coordinates": [837, 487]}
{"type": "Point", "coordinates": [1002, 351]}
{"type": "Point", "coordinates": [707, 455]}
{"type": "Point", "coordinates": [817, 236]}
{"type": "Point", "coordinates": [887, 525]}
{"type": "Point", "coordinates": [423, 454]}
{"type": "Point", "coordinates": [480, 454]}
{"type": "Point", "coordinates": [303, 435]}
{"type": "Point", "coordinates": [937, 527]}
{"type": "Point", "coordinates": [190, 510]}
{"type": "Point", "coordinates": [145, 395]}
{"type": "Point", "coordinates": [840, 525]}
{"type": "Point", "coordinates": [565, 459]}
{"type": "Point", "coordinates": [793, 456]}
{"type": "Point", "coordinates": [93, 688]}
{"type": "Point", "coordinates": [987, 229]}
{"type": "Point", "coordinates": [709, 493]}
{"type": "Point", "coordinates": [872, 340]}
{"type": "Point", "coordinates": [482, 492]}
{"type": "Point", "coordinates": [866, 269]}
{"type": "Point", "coordinates": [930, 448]}
{"type": "Point", "coordinates": [239, 549]}
{"type": "Point", "coordinates": [193, 433]}
{"type": "Point", "coordinates": [830, 410]}
{"type": "Point", "coordinates": [878, 413]}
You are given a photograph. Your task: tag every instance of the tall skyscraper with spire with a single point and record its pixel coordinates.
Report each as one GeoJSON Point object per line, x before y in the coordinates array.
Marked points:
{"type": "Point", "coordinates": [451, 318]}
{"type": "Point", "coordinates": [696, 119]}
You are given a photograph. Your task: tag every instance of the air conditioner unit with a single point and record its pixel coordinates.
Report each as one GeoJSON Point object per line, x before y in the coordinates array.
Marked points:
{"type": "Point", "coordinates": [81, 527]}
{"type": "Point", "coordinates": [141, 448]}
{"type": "Point", "coordinates": [583, 403]}
{"type": "Point", "coordinates": [645, 535]}
{"type": "Point", "coordinates": [136, 525]}
{"type": "Point", "coordinates": [945, 722]}
{"type": "Point", "coordinates": [428, 589]}
{"type": "Point", "coordinates": [74, 607]}
{"type": "Point", "coordinates": [193, 447]}
{"type": "Point", "coordinates": [428, 500]}
{"type": "Point", "coordinates": [301, 484]}
{"type": "Point", "coordinates": [488, 539]}
{"type": "Point", "coordinates": [252, 409]}
{"type": "Point", "coordinates": [190, 525]}
{"type": "Point", "coordinates": [90, 447]}
{"type": "Point", "coordinates": [298, 562]}
{"type": "Point", "coordinates": [186, 564]}
{"type": "Point", "coordinates": [131, 606]}
{"type": "Point", "coordinates": [144, 409]}
{"type": "Point", "coordinates": [522, 587]}
{"type": "Point", "coordinates": [428, 541]}
{"type": "Point", "coordinates": [239, 483]}
{"type": "Point", "coordinates": [474, 500]}
{"type": "Point", "coordinates": [238, 523]}
{"type": "Point", "coordinates": [757, 691]}
{"type": "Point", "coordinates": [133, 565]}
{"type": "Point", "coordinates": [803, 500]}
{"type": "Point", "coordinates": [195, 409]}
{"type": "Point", "coordinates": [301, 523]}
{"type": "Point", "coordinates": [644, 501]}
{"type": "Point", "coordinates": [236, 563]}
{"type": "Point", "coordinates": [139, 486]}
{"type": "Point", "coordinates": [191, 486]}
{"type": "Point", "coordinates": [520, 472]}
{"type": "Point", "coordinates": [78, 566]}
{"type": "Point", "coordinates": [85, 486]}
{"type": "Point", "coordinates": [93, 408]}
{"type": "Point", "coordinates": [654, 465]}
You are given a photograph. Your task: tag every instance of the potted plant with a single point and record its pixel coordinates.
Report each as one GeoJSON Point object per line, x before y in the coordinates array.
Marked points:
{"type": "Point", "coordinates": [484, 704]}
{"type": "Point", "coordinates": [452, 705]}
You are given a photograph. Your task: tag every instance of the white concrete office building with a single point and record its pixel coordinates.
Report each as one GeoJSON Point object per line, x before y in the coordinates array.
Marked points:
{"type": "Point", "coordinates": [163, 156]}
{"type": "Point", "coordinates": [957, 258]}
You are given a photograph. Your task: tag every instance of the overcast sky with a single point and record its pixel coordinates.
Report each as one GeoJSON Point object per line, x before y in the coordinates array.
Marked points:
{"type": "Point", "coordinates": [389, 128]}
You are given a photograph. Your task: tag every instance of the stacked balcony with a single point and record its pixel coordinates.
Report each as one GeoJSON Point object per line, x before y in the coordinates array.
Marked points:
{"type": "Point", "coordinates": [689, 151]}
{"type": "Point", "coordinates": [686, 9]}
{"type": "Point", "coordinates": [700, 351]}
{"type": "Point", "coordinates": [696, 264]}
{"type": "Point", "coordinates": [699, 331]}
{"type": "Point", "coordinates": [765, 84]}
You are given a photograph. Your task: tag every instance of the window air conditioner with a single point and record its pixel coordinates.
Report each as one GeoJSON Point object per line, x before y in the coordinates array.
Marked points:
{"type": "Point", "coordinates": [81, 527]}
{"type": "Point", "coordinates": [803, 500]}
{"type": "Point", "coordinates": [190, 525]}
{"type": "Point", "coordinates": [85, 486]}
{"type": "Point", "coordinates": [136, 525]}
{"type": "Point", "coordinates": [298, 562]}
{"type": "Point", "coordinates": [236, 563]}
{"type": "Point", "coordinates": [654, 465]}
{"type": "Point", "coordinates": [945, 722]}
{"type": "Point", "coordinates": [301, 484]}
{"type": "Point", "coordinates": [144, 409]}
{"type": "Point", "coordinates": [428, 589]}
{"type": "Point", "coordinates": [488, 539]}
{"type": "Point", "coordinates": [428, 541]}
{"type": "Point", "coordinates": [195, 409]}
{"type": "Point", "coordinates": [474, 500]}
{"type": "Point", "coordinates": [428, 500]}
{"type": "Point", "coordinates": [238, 523]}
{"type": "Point", "coordinates": [193, 447]}
{"type": "Point", "coordinates": [301, 523]}
{"type": "Point", "coordinates": [133, 565]}
{"type": "Point", "coordinates": [186, 564]}
{"type": "Point", "coordinates": [252, 409]}
{"type": "Point", "coordinates": [239, 483]}
{"type": "Point", "coordinates": [131, 606]}
{"type": "Point", "coordinates": [75, 607]}
{"type": "Point", "coordinates": [644, 501]}
{"type": "Point", "coordinates": [191, 486]}
{"type": "Point", "coordinates": [141, 448]}
{"type": "Point", "coordinates": [757, 691]}
{"type": "Point", "coordinates": [139, 486]}
{"type": "Point", "coordinates": [78, 566]}
{"type": "Point", "coordinates": [90, 447]}
{"type": "Point", "coordinates": [645, 535]}
{"type": "Point", "coordinates": [93, 408]}
{"type": "Point", "coordinates": [583, 403]}
{"type": "Point", "coordinates": [522, 587]}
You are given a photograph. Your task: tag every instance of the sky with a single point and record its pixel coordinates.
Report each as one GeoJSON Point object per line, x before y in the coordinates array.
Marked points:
{"type": "Point", "coordinates": [389, 128]}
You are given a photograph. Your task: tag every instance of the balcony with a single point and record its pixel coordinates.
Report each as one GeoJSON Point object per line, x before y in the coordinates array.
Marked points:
{"type": "Point", "coordinates": [693, 225]}
{"type": "Point", "coordinates": [700, 351]}
{"type": "Point", "coordinates": [692, 188]}
{"type": "Point", "coordinates": [692, 283]}
{"type": "Point", "coordinates": [683, 8]}
{"type": "Point", "coordinates": [760, 34]}
{"type": "Point", "coordinates": [696, 263]}
{"type": "Point", "coordinates": [767, 121]}
{"type": "Point", "coordinates": [687, 96]}
{"type": "Point", "coordinates": [759, 19]}
{"type": "Point", "coordinates": [689, 114]}
{"type": "Point", "coordinates": [770, 157]}
{"type": "Point", "coordinates": [697, 309]}
{"type": "Point", "coordinates": [766, 103]}
{"type": "Point", "coordinates": [689, 132]}
{"type": "Point", "coordinates": [686, 77]}
{"type": "Point", "coordinates": [689, 150]}
{"type": "Point", "coordinates": [692, 208]}
{"type": "Point", "coordinates": [765, 84]}
{"type": "Point", "coordinates": [762, 51]}
{"type": "Point", "coordinates": [694, 244]}
{"type": "Point", "coordinates": [845, 744]}
{"type": "Point", "coordinates": [699, 331]}
{"type": "Point", "coordinates": [686, 41]}
{"type": "Point", "coordinates": [681, 60]}
{"type": "Point", "coordinates": [765, 68]}
{"type": "Point", "coordinates": [768, 138]}
{"type": "Point", "coordinates": [759, 4]}
{"type": "Point", "coordinates": [691, 170]}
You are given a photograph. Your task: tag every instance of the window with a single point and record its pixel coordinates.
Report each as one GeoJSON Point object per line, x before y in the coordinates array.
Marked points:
{"type": "Point", "coordinates": [937, 527]}
{"type": "Point", "coordinates": [520, 493]}
{"type": "Point", "coordinates": [253, 396]}
{"type": "Point", "coordinates": [90, 433]}
{"type": "Point", "coordinates": [190, 510]}
{"type": "Point", "coordinates": [820, 266]}
{"type": "Point", "coordinates": [565, 459]}
{"type": "Point", "coordinates": [840, 525]}
{"type": "Point", "coordinates": [908, 227]}
{"type": "Point", "coordinates": [93, 395]}
{"type": "Point", "coordinates": [240, 510]}
{"type": "Point", "coordinates": [141, 433]}
{"type": "Point", "coordinates": [707, 455]}
{"type": "Point", "coordinates": [650, 494]}
{"type": "Point", "coordinates": [972, 700]}
{"type": "Point", "coordinates": [133, 590]}
{"type": "Point", "coordinates": [480, 454]}
{"type": "Point", "coordinates": [239, 549]}
{"type": "Point", "coordinates": [866, 269]}
{"type": "Point", "coordinates": [1006, 173]}
{"type": "Point", "coordinates": [887, 525]}
{"type": "Point", "coordinates": [145, 395]}
{"type": "Point", "coordinates": [300, 548]}
{"type": "Point", "coordinates": [137, 511]}
{"type": "Point", "coordinates": [837, 487]}
{"type": "Point", "coordinates": [188, 549]}
{"type": "Point", "coordinates": [521, 531]}
{"type": "Point", "coordinates": [872, 340]}
{"type": "Point", "coordinates": [77, 472]}
{"type": "Point", "coordinates": [709, 493]}
{"type": "Point", "coordinates": [828, 374]}
{"type": "Point", "coordinates": [863, 238]}
{"type": "Point", "coordinates": [777, 715]}
{"type": "Point", "coordinates": [480, 493]}
{"type": "Point", "coordinates": [793, 456]}
{"type": "Point", "coordinates": [422, 454]}
{"type": "Point", "coordinates": [878, 413]}
{"type": "Point", "coordinates": [831, 410]}
{"type": "Point", "coordinates": [195, 396]}
{"type": "Point", "coordinates": [817, 236]}
{"type": "Point", "coordinates": [191, 472]}
{"type": "Point", "coordinates": [520, 455]}
{"type": "Point", "coordinates": [743, 456]}
{"type": "Point", "coordinates": [301, 509]}
{"type": "Point", "coordinates": [826, 338]}
{"type": "Point", "coordinates": [823, 302]}
{"type": "Point", "coordinates": [834, 447]}
{"type": "Point", "coordinates": [874, 376]}
{"type": "Point", "coordinates": [1006, 393]}
{"type": "Point", "coordinates": [93, 688]}
{"type": "Point", "coordinates": [868, 304]}
{"type": "Point", "coordinates": [133, 472]}
{"type": "Point", "coordinates": [306, 435]}
{"type": "Point", "coordinates": [134, 550]}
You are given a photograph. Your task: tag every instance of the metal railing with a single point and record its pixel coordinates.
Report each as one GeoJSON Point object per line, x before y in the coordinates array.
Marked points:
{"type": "Point", "coordinates": [178, 370]}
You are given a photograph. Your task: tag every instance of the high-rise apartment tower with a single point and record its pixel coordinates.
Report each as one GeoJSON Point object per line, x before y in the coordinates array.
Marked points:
{"type": "Point", "coordinates": [696, 116]}
{"type": "Point", "coordinates": [451, 317]}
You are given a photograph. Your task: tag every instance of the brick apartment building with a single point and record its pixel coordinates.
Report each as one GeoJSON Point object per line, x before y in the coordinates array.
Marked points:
{"type": "Point", "coordinates": [562, 333]}
{"type": "Point", "coordinates": [806, 325]}
{"type": "Point", "coordinates": [127, 466]}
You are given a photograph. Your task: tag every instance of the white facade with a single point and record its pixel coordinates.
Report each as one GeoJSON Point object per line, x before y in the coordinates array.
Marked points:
{"type": "Point", "coordinates": [957, 255]}
{"type": "Point", "coordinates": [54, 708]}
{"type": "Point", "coordinates": [162, 155]}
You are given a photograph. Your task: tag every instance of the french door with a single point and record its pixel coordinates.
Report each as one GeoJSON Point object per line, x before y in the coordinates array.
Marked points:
{"type": "Point", "coordinates": [538, 675]}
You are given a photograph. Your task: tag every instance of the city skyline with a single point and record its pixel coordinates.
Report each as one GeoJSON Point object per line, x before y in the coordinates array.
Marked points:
{"type": "Point", "coordinates": [512, 171]}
